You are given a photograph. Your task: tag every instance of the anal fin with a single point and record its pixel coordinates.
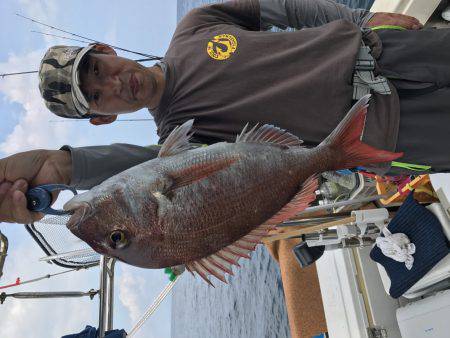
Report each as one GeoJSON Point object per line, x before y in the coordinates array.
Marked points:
{"type": "Point", "coordinates": [220, 263]}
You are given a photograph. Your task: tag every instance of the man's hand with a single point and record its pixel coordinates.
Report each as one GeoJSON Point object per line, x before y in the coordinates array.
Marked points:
{"type": "Point", "coordinates": [30, 168]}
{"type": "Point", "coordinates": [393, 19]}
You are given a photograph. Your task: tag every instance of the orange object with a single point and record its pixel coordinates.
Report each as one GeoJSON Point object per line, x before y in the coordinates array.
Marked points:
{"type": "Point", "coordinates": [423, 190]}
{"type": "Point", "coordinates": [301, 291]}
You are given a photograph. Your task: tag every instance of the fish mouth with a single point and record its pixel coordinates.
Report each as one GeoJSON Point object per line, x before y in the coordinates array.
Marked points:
{"type": "Point", "coordinates": [81, 211]}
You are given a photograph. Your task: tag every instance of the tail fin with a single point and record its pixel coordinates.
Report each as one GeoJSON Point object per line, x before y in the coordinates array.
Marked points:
{"type": "Point", "coordinates": [346, 140]}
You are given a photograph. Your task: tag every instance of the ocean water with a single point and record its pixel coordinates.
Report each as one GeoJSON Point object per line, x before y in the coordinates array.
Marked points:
{"type": "Point", "coordinates": [252, 305]}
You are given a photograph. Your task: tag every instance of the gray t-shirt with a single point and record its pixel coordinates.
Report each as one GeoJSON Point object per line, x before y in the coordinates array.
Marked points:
{"type": "Point", "coordinates": [92, 165]}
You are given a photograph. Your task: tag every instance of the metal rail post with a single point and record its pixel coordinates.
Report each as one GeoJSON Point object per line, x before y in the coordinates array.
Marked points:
{"type": "Point", "coordinates": [3, 251]}
{"type": "Point", "coordinates": [36, 295]}
{"type": "Point", "coordinates": [106, 295]}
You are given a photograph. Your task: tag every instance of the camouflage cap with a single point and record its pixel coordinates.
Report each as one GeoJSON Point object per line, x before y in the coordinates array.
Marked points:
{"type": "Point", "coordinates": [59, 81]}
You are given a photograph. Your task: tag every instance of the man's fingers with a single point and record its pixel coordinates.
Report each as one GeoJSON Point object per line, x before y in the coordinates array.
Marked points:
{"type": "Point", "coordinates": [411, 22]}
{"type": "Point", "coordinates": [37, 216]}
{"type": "Point", "coordinates": [20, 212]}
{"type": "Point", "coordinates": [394, 19]}
{"type": "Point", "coordinates": [14, 206]}
{"type": "Point", "coordinates": [4, 188]}
{"type": "Point", "coordinates": [4, 210]}
{"type": "Point", "coordinates": [2, 169]}
{"type": "Point", "coordinates": [20, 185]}
{"type": "Point", "coordinates": [7, 204]}
{"type": "Point", "coordinates": [408, 22]}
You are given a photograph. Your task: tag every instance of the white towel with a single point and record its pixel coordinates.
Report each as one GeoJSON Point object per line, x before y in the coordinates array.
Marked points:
{"type": "Point", "coordinates": [397, 246]}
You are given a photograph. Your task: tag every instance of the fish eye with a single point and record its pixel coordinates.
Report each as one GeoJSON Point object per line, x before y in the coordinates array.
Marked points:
{"type": "Point", "coordinates": [118, 239]}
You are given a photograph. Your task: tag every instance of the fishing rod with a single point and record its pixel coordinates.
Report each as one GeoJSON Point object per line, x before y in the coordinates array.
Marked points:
{"type": "Point", "coordinates": [60, 36]}
{"type": "Point", "coordinates": [48, 276]}
{"type": "Point", "coordinates": [86, 38]}
{"type": "Point", "coordinates": [18, 73]}
{"type": "Point", "coordinates": [153, 307]}
{"type": "Point", "coordinates": [77, 40]}
{"type": "Point", "coordinates": [36, 71]}
{"type": "Point", "coordinates": [3, 251]}
{"type": "Point", "coordinates": [85, 120]}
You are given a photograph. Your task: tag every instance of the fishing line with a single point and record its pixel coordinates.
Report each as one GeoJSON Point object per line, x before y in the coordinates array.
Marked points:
{"type": "Point", "coordinates": [87, 42]}
{"type": "Point", "coordinates": [85, 120]}
{"type": "Point", "coordinates": [19, 282]}
{"type": "Point", "coordinates": [153, 307]}
{"type": "Point", "coordinates": [60, 36]}
{"type": "Point", "coordinates": [86, 38]}
{"type": "Point", "coordinates": [18, 73]}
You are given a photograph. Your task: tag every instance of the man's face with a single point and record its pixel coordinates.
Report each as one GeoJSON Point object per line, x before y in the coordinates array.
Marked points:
{"type": "Point", "coordinates": [114, 85]}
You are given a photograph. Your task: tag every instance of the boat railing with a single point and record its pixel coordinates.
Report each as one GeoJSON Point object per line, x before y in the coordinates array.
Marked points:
{"type": "Point", "coordinates": [3, 251]}
{"type": "Point", "coordinates": [65, 250]}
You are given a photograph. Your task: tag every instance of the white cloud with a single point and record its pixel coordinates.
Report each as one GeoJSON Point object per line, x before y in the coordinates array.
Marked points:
{"type": "Point", "coordinates": [44, 318]}
{"type": "Point", "coordinates": [138, 289]}
{"type": "Point", "coordinates": [130, 289]}
{"type": "Point", "coordinates": [41, 11]}
{"type": "Point", "coordinates": [33, 130]}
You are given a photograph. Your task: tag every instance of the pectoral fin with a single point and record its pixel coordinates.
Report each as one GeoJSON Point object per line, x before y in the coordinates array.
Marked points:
{"type": "Point", "coordinates": [299, 203]}
{"type": "Point", "coordinates": [198, 171]}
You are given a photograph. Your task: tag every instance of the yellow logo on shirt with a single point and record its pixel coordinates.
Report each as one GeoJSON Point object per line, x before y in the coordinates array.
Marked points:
{"type": "Point", "coordinates": [222, 46]}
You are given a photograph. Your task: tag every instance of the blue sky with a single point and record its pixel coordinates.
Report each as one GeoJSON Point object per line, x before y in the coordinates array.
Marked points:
{"type": "Point", "coordinates": [142, 25]}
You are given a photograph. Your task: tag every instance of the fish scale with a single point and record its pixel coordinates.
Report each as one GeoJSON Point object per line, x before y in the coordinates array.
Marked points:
{"type": "Point", "coordinates": [233, 200]}
{"type": "Point", "coordinates": [207, 207]}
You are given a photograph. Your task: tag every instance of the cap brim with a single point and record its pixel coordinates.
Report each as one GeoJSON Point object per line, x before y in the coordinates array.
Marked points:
{"type": "Point", "coordinates": [78, 98]}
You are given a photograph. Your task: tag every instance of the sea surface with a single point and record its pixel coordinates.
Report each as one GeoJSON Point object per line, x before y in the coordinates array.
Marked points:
{"type": "Point", "coordinates": [252, 305]}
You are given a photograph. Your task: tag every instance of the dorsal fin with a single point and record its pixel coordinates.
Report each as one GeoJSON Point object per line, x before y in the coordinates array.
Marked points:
{"type": "Point", "coordinates": [221, 262]}
{"type": "Point", "coordinates": [268, 134]}
{"type": "Point", "coordinates": [178, 140]}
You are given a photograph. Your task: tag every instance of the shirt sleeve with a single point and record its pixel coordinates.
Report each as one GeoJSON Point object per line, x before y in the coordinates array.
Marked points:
{"type": "Point", "coordinates": [93, 165]}
{"type": "Point", "coordinates": [242, 13]}
{"type": "Point", "coordinates": [308, 13]}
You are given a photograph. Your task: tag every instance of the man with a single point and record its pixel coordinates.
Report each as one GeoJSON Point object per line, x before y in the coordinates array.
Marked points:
{"type": "Point", "coordinates": [223, 71]}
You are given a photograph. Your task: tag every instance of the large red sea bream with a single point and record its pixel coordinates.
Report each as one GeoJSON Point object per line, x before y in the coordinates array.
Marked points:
{"type": "Point", "coordinates": [207, 207]}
